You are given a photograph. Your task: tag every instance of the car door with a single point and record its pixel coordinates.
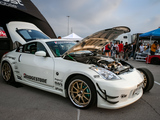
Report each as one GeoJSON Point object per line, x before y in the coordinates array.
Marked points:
{"type": "Point", "coordinates": [36, 69]}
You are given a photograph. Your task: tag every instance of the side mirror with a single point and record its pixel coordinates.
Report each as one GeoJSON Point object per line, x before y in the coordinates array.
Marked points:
{"type": "Point", "coordinates": [40, 53]}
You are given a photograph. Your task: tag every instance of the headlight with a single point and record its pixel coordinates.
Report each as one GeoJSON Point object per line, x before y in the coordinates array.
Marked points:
{"type": "Point", "coordinates": [108, 75]}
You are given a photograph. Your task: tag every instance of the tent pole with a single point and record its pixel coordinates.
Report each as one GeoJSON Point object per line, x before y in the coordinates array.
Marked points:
{"type": "Point", "coordinates": [149, 48]}
{"type": "Point", "coordinates": [137, 42]}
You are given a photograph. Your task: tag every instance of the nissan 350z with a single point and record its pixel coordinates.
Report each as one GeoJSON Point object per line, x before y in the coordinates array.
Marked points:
{"type": "Point", "coordinates": [77, 70]}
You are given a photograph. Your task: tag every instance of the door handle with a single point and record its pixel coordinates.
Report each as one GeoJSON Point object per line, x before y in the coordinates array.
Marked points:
{"type": "Point", "coordinates": [19, 58]}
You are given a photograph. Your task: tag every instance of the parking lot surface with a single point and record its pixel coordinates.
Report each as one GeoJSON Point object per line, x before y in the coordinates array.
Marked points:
{"type": "Point", "coordinates": [27, 103]}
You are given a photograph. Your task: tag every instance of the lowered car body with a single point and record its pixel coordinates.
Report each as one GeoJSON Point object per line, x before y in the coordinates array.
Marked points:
{"type": "Point", "coordinates": [77, 71]}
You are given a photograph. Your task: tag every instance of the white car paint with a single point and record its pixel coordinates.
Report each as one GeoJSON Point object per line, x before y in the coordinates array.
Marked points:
{"type": "Point", "coordinates": [51, 73]}
{"type": "Point", "coordinates": [46, 68]}
{"type": "Point", "coordinates": [14, 25]}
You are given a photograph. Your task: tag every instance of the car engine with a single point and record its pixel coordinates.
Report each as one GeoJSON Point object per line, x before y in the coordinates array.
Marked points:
{"type": "Point", "coordinates": [117, 67]}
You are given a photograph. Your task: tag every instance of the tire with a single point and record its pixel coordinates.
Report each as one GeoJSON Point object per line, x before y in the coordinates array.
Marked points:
{"type": "Point", "coordinates": [155, 61]}
{"type": "Point", "coordinates": [81, 92]}
{"type": "Point", "coordinates": [7, 73]}
{"type": "Point", "coordinates": [148, 79]}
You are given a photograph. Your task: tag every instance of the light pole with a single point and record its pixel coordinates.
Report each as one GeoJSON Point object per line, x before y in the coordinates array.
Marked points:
{"type": "Point", "coordinates": [68, 24]}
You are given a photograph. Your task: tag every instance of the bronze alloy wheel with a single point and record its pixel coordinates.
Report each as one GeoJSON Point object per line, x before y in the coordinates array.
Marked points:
{"type": "Point", "coordinates": [148, 79]}
{"type": "Point", "coordinates": [145, 80]}
{"type": "Point", "coordinates": [79, 93]}
{"type": "Point", "coordinates": [6, 72]}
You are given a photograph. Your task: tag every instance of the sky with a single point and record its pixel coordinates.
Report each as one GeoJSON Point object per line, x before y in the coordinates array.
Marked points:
{"type": "Point", "coordinates": [90, 16]}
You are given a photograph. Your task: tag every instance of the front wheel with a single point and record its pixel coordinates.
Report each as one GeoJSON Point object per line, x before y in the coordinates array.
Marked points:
{"type": "Point", "coordinates": [7, 73]}
{"type": "Point", "coordinates": [81, 92]}
{"type": "Point", "coordinates": [148, 79]}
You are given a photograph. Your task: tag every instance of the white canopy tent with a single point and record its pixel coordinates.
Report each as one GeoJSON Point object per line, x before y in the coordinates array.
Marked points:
{"type": "Point", "coordinates": [73, 37]}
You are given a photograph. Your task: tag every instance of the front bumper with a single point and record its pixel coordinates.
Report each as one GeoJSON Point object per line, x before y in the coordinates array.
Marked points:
{"type": "Point", "coordinates": [120, 93]}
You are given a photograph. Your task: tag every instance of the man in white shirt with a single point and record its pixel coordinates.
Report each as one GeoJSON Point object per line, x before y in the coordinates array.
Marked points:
{"type": "Point", "coordinates": [141, 48]}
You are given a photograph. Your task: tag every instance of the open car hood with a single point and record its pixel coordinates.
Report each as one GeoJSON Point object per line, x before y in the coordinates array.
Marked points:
{"type": "Point", "coordinates": [98, 40]}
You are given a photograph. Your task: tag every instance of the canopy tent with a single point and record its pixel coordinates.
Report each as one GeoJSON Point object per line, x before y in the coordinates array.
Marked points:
{"type": "Point", "coordinates": [73, 36]}
{"type": "Point", "coordinates": [151, 35]}
{"type": "Point", "coordinates": [23, 10]}
{"type": "Point", "coordinates": [154, 34]}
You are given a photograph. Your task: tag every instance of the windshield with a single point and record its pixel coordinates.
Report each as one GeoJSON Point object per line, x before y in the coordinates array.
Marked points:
{"type": "Point", "coordinates": [58, 48]}
{"type": "Point", "coordinates": [29, 35]}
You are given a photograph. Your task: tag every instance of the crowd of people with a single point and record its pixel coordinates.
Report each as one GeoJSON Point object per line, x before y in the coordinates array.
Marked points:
{"type": "Point", "coordinates": [118, 50]}
{"type": "Point", "coordinates": [127, 51]}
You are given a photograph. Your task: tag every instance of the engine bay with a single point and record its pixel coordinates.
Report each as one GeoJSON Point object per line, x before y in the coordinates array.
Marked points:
{"type": "Point", "coordinates": [117, 67]}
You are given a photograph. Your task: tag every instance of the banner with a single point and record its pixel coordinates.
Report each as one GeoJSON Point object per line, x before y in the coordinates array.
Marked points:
{"type": "Point", "coordinates": [2, 33]}
{"type": "Point", "coordinates": [18, 4]}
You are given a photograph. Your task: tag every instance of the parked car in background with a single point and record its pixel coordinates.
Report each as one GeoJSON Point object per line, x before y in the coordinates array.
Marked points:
{"type": "Point", "coordinates": [154, 59]}
{"type": "Point", "coordinates": [142, 56]}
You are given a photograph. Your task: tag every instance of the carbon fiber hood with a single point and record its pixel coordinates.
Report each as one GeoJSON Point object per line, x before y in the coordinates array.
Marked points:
{"type": "Point", "coordinates": [98, 40]}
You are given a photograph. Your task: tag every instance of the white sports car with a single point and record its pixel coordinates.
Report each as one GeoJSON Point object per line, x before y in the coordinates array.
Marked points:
{"type": "Point", "coordinates": [77, 70]}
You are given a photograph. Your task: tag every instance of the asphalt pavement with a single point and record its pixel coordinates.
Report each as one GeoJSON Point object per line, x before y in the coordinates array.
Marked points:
{"type": "Point", "coordinates": [27, 103]}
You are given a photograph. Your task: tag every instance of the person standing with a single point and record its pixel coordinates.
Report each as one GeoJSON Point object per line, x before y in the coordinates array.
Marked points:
{"type": "Point", "coordinates": [107, 49]}
{"type": "Point", "coordinates": [157, 51]}
{"type": "Point", "coordinates": [111, 51]}
{"type": "Point", "coordinates": [114, 50]}
{"type": "Point", "coordinates": [153, 48]}
{"type": "Point", "coordinates": [59, 37]}
{"type": "Point", "coordinates": [126, 51]}
{"type": "Point", "coordinates": [121, 50]}
{"type": "Point", "coordinates": [130, 49]}
{"type": "Point", "coordinates": [116, 47]}
{"type": "Point", "coordinates": [133, 51]}
{"type": "Point", "coordinates": [147, 48]}
{"type": "Point", "coordinates": [141, 48]}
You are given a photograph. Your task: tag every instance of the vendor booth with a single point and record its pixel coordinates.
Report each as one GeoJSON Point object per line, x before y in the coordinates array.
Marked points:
{"type": "Point", "coordinates": [151, 36]}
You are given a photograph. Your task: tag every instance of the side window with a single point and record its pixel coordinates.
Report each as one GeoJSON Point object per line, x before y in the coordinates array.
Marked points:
{"type": "Point", "coordinates": [32, 48]}
{"type": "Point", "coordinates": [40, 47]}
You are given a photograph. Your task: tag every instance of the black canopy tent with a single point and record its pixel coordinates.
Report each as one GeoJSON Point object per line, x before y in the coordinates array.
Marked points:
{"type": "Point", "coordinates": [23, 10]}
{"type": "Point", "coordinates": [20, 10]}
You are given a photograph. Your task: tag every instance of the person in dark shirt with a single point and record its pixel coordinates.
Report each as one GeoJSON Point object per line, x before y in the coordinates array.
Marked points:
{"type": "Point", "coordinates": [126, 50]}
{"type": "Point", "coordinates": [130, 49]}
{"type": "Point", "coordinates": [133, 51]}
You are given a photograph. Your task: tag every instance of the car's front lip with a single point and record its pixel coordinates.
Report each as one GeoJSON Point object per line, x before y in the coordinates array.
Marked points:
{"type": "Point", "coordinates": [118, 104]}
{"type": "Point", "coordinates": [119, 93]}
{"type": "Point", "coordinates": [122, 94]}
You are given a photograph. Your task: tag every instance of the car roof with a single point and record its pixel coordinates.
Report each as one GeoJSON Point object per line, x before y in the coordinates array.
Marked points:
{"type": "Point", "coordinates": [49, 40]}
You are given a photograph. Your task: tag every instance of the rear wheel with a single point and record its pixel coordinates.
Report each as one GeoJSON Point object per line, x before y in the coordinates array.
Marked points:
{"type": "Point", "coordinates": [81, 92]}
{"type": "Point", "coordinates": [148, 79]}
{"type": "Point", "coordinates": [7, 73]}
